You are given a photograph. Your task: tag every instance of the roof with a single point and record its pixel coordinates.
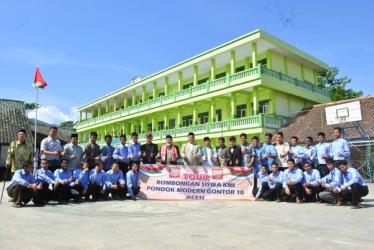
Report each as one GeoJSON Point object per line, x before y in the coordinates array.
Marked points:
{"type": "Point", "coordinates": [310, 122]}
{"type": "Point", "coordinates": [12, 118]}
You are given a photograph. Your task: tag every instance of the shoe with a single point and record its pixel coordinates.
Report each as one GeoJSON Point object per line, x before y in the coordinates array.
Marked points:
{"type": "Point", "coordinates": [358, 206]}
{"type": "Point", "coordinates": [17, 205]}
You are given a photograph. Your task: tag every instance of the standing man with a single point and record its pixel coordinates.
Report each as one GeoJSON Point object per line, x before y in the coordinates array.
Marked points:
{"type": "Point", "coordinates": [121, 155]}
{"type": "Point", "coordinates": [134, 149]}
{"type": "Point", "coordinates": [248, 152]}
{"type": "Point", "coordinates": [282, 151]}
{"type": "Point", "coordinates": [92, 151]}
{"type": "Point", "coordinates": [297, 152]}
{"type": "Point", "coordinates": [19, 152]}
{"type": "Point", "coordinates": [149, 150]}
{"type": "Point", "coordinates": [292, 182]}
{"type": "Point", "coordinates": [233, 154]}
{"type": "Point", "coordinates": [23, 186]}
{"type": "Point", "coordinates": [310, 151]}
{"type": "Point", "coordinates": [257, 148]}
{"type": "Point", "coordinates": [73, 153]}
{"type": "Point", "coordinates": [50, 149]}
{"type": "Point", "coordinates": [169, 152]}
{"type": "Point", "coordinates": [132, 181]}
{"type": "Point", "coordinates": [269, 152]}
{"type": "Point", "coordinates": [322, 152]}
{"type": "Point", "coordinates": [221, 151]}
{"type": "Point", "coordinates": [339, 150]}
{"type": "Point", "coordinates": [208, 154]}
{"type": "Point", "coordinates": [106, 154]}
{"type": "Point", "coordinates": [190, 152]}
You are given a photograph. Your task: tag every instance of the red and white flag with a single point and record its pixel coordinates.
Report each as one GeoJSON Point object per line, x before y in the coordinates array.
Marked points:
{"type": "Point", "coordinates": [38, 80]}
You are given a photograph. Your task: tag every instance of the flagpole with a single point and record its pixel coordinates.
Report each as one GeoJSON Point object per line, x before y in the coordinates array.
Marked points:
{"type": "Point", "coordinates": [35, 130]}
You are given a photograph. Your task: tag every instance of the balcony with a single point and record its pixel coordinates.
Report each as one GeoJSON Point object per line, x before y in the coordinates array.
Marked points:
{"type": "Point", "coordinates": [210, 86]}
{"type": "Point", "coordinates": [207, 129]}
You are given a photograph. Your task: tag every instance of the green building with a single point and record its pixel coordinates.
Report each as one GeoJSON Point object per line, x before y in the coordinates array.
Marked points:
{"type": "Point", "coordinates": [252, 84]}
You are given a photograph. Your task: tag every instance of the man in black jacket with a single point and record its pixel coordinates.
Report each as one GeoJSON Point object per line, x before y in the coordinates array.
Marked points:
{"type": "Point", "coordinates": [149, 151]}
{"type": "Point", "coordinates": [233, 154]}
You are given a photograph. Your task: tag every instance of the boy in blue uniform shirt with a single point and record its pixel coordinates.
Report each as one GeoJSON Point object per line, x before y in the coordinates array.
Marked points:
{"type": "Point", "coordinates": [275, 182]}
{"type": "Point", "coordinates": [247, 150]}
{"type": "Point", "coordinates": [330, 184]}
{"type": "Point", "coordinates": [63, 179]}
{"type": "Point", "coordinates": [311, 183]}
{"type": "Point", "coordinates": [81, 180]}
{"type": "Point", "coordinates": [339, 149]}
{"type": "Point", "coordinates": [115, 183]}
{"type": "Point", "coordinates": [268, 152]}
{"type": "Point", "coordinates": [292, 182]}
{"type": "Point", "coordinates": [322, 154]}
{"type": "Point", "coordinates": [121, 155]}
{"type": "Point", "coordinates": [97, 182]}
{"type": "Point", "coordinates": [23, 186]}
{"type": "Point", "coordinates": [46, 178]}
{"type": "Point", "coordinates": [132, 181]}
{"type": "Point", "coordinates": [134, 149]}
{"type": "Point", "coordinates": [262, 177]}
{"type": "Point", "coordinates": [257, 162]}
{"type": "Point", "coordinates": [353, 187]}
{"type": "Point", "coordinates": [106, 153]}
{"type": "Point", "coordinates": [297, 153]}
{"type": "Point", "coordinates": [310, 151]}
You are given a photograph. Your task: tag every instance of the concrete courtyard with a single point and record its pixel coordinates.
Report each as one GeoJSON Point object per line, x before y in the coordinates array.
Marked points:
{"type": "Point", "coordinates": [187, 225]}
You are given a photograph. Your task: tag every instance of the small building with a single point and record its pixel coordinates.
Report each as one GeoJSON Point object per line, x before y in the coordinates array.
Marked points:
{"type": "Point", "coordinates": [360, 134]}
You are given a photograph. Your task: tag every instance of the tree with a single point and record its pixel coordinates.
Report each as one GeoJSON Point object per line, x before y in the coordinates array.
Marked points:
{"type": "Point", "coordinates": [31, 106]}
{"type": "Point", "coordinates": [336, 87]}
{"type": "Point", "coordinates": [67, 124]}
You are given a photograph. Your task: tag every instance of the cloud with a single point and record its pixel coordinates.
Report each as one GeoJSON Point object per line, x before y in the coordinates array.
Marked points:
{"type": "Point", "coordinates": [52, 115]}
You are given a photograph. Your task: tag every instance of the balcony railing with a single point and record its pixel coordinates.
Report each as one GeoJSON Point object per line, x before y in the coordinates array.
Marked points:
{"type": "Point", "coordinates": [224, 82]}
{"type": "Point", "coordinates": [257, 121]}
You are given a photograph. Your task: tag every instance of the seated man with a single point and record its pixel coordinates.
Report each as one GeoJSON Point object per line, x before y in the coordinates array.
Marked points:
{"type": "Point", "coordinates": [46, 178]}
{"type": "Point", "coordinates": [275, 182]}
{"type": "Point", "coordinates": [23, 187]}
{"type": "Point", "coordinates": [115, 183]}
{"type": "Point", "coordinates": [262, 178]}
{"type": "Point", "coordinates": [354, 186]}
{"type": "Point", "coordinates": [330, 184]}
{"type": "Point", "coordinates": [81, 181]}
{"type": "Point", "coordinates": [292, 182]}
{"type": "Point", "coordinates": [97, 182]}
{"type": "Point", "coordinates": [63, 179]}
{"type": "Point", "coordinates": [132, 181]}
{"type": "Point", "coordinates": [311, 183]}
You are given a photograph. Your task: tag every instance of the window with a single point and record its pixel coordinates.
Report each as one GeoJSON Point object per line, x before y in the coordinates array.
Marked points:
{"type": "Point", "coordinates": [161, 94]}
{"type": "Point", "coordinates": [220, 75]}
{"type": "Point", "coordinates": [149, 127]}
{"type": "Point", "coordinates": [171, 123]}
{"type": "Point", "coordinates": [264, 106]}
{"type": "Point", "coordinates": [187, 120]}
{"type": "Point", "coordinates": [202, 81]}
{"type": "Point", "coordinates": [203, 117]}
{"type": "Point", "coordinates": [239, 69]}
{"type": "Point", "coordinates": [241, 110]}
{"type": "Point", "coordinates": [150, 98]}
{"type": "Point", "coordinates": [218, 115]}
{"type": "Point", "coordinates": [263, 62]}
{"type": "Point", "coordinates": [186, 86]}
{"type": "Point", "coordinates": [161, 125]}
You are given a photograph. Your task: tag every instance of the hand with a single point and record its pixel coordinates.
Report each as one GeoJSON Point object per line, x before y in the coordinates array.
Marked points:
{"type": "Point", "coordinates": [144, 154]}
{"type": "Point", "coordinates": [307, 184]}
{"type": "Point", "coordinates": [343, 187]}
{"type": "Point", "coordinates": [287, 191]}
{"type": "Point", "coordinates": [84, 157]}
{"type": "Point", "coordinates": [308, 191]}
{"type": "Point", "coordinates": [7, 166]}
{"type": "Point", "coordinates": [323, 185]}
{"type": "Point", "coordinates": [34, 186]}
{"type": "Point", "coordinates": [335, 190]}
{"type": "Point", "coordinates": [289, 182]}
{"type": "Point", "coordinates": [114, 187]}
{"type": "Point", "coordinates": [40, 186]}
{"type": "Point", "coordinates": [73, 157]}
{"type": "Point", "coordinates": [97, 158]}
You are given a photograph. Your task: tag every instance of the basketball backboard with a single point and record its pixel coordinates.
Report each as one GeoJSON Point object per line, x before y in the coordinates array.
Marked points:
{"type": "Point", "coordinates": [342, 113]}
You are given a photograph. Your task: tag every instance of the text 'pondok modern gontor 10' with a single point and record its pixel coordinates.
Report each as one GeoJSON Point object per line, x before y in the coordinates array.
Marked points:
{"type": "Point", "coordinates": [251, 84]}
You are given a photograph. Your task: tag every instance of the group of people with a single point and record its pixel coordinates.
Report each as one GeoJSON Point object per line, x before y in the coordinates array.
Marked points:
{"type": "Point", "coordinates": [97, 172]}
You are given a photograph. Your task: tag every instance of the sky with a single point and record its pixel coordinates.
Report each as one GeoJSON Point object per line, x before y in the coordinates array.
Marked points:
{"type": "Point", "coordinates": [88, 48]}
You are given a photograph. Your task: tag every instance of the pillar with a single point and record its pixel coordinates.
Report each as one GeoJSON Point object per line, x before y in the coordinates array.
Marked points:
{"type": "Point", "coordinates": [153, 124]}
{"type": "Point", "coordinates": [179, 119]}
{"type": "Point", "coordinates": [124, 101]}
{"type": "Point", "coordinates": [195, 75]}
{"type": "Point", "coordinates": [107, 107]}
{"type": "Point", "coordinates": [99, 110]}
{"type": "Point", "coordinates": [142, 129]}
{"type": "Point", "coordinates": [85, 115]}
{"type": "Point", "coordinates": [255, 101]}
{"type": "Point", "coordinates": [132, 127]}
{"type": "Point", "coordinates": [166, 125]}
{"type": "Point", "coordinates": [166, 86]}
{"type": "Point", "coordinates": [272, 108]}
{"type": "Point", "coordinates": [232, 62]}
{"type": "Point", "coordinates": [247, 62]}
{"type": "Point", "coordinates": [254, 54]}
{"type": "Point", "coordinates": [133, 97]}
{"type": "Point", "coordinates": [194, 115]}
{"type": "Point", "coordinates": [180, 80]}
{"type": "Point", "coordinates": [115, 104]}
{"type": "Point", "coordinates": [285, 62]}
{"type": "Point", "coordinates": [268, 59]}
{"type": "Point", "coordinates": [154, 90]}
{"type": "Point", "coordinates": [80, 116]}
{"type": "Point", "coordinates": [211, 111]}
{"type": "Point", "coordinates": [144, 90]}
{"type": "Point", "coordinates": [233, 105]}
{"type": "Point", "coordinates": [213, 69]}
{"type": "Point", "coordinates": [302, 72]}
{"type": "Point", "coordinates": [248, 106]}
